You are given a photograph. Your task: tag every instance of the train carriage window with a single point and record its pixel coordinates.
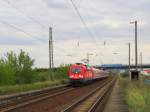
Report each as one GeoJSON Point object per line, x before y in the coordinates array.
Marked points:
{"type": "Point", "coordinates": [76, 70]}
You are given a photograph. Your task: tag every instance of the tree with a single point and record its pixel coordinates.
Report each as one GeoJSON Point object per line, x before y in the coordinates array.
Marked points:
{"type": "Point", "coordinates": [8, 69]}
{"type": "Point", "coordinates": [16, 69]}
{"type": "Point", "coordinates": [25, 73]}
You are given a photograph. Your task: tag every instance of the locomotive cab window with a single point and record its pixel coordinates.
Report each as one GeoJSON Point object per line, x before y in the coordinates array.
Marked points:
{"type": "Point", "coordinates": [76, 70]}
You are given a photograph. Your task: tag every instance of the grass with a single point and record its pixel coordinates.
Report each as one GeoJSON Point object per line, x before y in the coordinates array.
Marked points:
{"type": "Point", "coordinates": [27, 87]}
{"type": "Point", "coordinates": [59, 77]}
{"type": "Point", "coordinates": [17, 74]}
{"type": "Point", "coordinates": [137, 95]}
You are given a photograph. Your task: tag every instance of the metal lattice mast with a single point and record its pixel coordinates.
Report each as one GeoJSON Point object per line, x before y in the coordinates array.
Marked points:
{"type": "Point", "coordinates": [51, 63]}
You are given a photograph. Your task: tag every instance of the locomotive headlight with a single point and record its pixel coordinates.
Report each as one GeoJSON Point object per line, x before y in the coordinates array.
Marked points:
{"type": "Point", "coordinates": [71, 76]}
{"type": "Point", "coordinates": [80, 76]}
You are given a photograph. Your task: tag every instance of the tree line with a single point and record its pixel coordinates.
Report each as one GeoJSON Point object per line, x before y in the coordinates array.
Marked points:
{"type": "Point", "coordinates": [18, 69]}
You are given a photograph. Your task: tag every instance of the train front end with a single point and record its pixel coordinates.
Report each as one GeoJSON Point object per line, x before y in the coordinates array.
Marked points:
{"type": "Point", "coordinates": [76, 74]}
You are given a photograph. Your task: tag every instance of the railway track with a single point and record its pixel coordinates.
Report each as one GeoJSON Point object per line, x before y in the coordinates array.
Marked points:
{"type": "Point", "coordinates": [53, 100]}
{"type": "Point", "coordinates": [93, 101]}
{"type": "Point", "coordinates": [16, 101]}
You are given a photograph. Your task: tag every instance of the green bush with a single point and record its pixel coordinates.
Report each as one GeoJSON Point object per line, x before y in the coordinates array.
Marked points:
{"type": "Point", "coordinates": [16, 69]}
{"type": "Point", "coordinates": [58, 73]}
{"type": "Point", "coordinates": [17, 74]}
{"type": "Point", "coordinates": [7, 74]}
{"type": "Point", "coordinates": [25, 74]}
{"type": "Point", "coordinates": [137, 95]}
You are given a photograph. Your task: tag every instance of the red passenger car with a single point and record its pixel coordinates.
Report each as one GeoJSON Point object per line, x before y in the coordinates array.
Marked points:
{"type": "Point", "coordinates": [80, 73]}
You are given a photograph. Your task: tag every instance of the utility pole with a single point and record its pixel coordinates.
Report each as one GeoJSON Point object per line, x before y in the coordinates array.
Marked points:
{"type": "Point", "coordinates": [50, 53]}
{"type": "Point", "coordinates": [52, 50]}
{"type": "Point", "coordinates": [135, 73]}
{"type": "Point", "coordinates": [129, 44]}
{"type": "Point", "coordinates": [136, 50]}
{"type": "Point", "coordinates": [129, 56]}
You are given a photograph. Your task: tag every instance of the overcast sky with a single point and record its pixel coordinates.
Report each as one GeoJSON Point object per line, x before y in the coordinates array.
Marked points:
{"type": "Point", "coordinates": [24, 25]}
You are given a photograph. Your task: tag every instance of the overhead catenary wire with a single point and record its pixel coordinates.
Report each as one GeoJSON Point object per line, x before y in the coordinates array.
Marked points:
{"type": "Point", "coordinates": [101, 48]}
{"type": "Point", "coordinates": [84, 23]}
{"type": "Point", "coordinates": [81, 18]}
{"type": "Point", "coordinates": [101, 54]}
{"type": "Point", "coordinates": [29, 17]}
{"type": "Point", "coordinates": [20, 30]}
{"type": "Point", "coordinates": [29, 35]}
{"type": "Point", "coordinates": [26, 15]}
{"type": "Point", "coordinates": [34, 20]}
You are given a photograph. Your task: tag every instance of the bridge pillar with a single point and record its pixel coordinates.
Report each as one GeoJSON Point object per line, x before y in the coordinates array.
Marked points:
{"type": "Point", "coordinates": [134, 75]}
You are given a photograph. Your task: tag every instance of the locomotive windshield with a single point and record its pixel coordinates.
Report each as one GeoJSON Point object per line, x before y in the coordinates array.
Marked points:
{"type": "Point", "coordinates": [76, 70]}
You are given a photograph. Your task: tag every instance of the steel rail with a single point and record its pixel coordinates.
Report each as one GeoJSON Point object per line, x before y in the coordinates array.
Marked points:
{"type": "Point", "coordinates": [93, 107]}
{"type": "Point", "coordinates": [17, 101]}
{"type": "Point", "coordinates": [101, 98]}
{"type": "Point", "coordinates": [23, 94]}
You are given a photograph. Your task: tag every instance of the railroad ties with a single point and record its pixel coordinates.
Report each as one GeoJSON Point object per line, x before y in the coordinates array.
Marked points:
{"type": "Point", "coordinates": [96, 98]}
{"type": "Point", "coordinates": [89, 98]}
{"type": "Point", "coordinates": [45, 100]}
{"type": "Point", "coordinates": [12, 102]}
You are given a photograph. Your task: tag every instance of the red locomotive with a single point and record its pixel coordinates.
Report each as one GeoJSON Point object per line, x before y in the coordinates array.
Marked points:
{"type": "Point", "coordinates": [80, 73]}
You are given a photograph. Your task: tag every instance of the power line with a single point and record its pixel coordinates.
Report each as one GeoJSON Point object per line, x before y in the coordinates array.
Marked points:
{"type": "Point", "coordinates": [29, 17]}
{"type": "Point", "coordinates": [28, 34]}
{"type": "Point", "coordinates": [26, 15]}
{"type": "Point", "coordinates": [9, 3]}
{"type": "Point", "coordinates": [81, 18]}
{"type": "Point", "coordinates": [101, 53]}
{"type": "Point", "coordinates": [19, 29]}
{"type": "Point", "coordinates": [83, 22]}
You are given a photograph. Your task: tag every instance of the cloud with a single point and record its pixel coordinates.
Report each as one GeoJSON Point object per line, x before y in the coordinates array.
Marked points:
{"type": "Point", "coordinates": [107, 20]}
